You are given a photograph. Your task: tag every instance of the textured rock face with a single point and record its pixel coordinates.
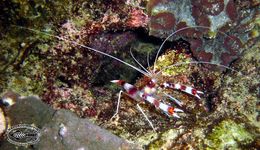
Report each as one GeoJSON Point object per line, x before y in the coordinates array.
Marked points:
{"type": "Point", "coordinates": [61, 129]}
{"type": "Point", "coordinates": [29, 110]}
{"type": "Point", "coordinates": [62, 73]}
{"type": "Point", "coordinates": [68, 131]}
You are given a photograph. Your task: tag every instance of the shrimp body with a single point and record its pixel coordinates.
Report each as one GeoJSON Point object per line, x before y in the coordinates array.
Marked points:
{"type": "Point", "coordinates": [148, 94]}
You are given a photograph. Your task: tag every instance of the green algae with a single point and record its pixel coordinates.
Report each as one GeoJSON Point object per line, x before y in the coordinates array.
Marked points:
{"type": "Point", "coordinates": [20, 60]}
{"type": "Point", "coordinates": [164, 140]}
{"type": "Point", "coordinates": [144, 48]}
{"type": "Point", "coordinates": [30, 80]}
{"type": "Point", "coordinates": [23, 58]}
{"type": "Point", "coordinates": [165, 63]}
{"type": "Point", "coordinates": [228, 135]}
{"type": "Point", "coordinates": [147, 138]}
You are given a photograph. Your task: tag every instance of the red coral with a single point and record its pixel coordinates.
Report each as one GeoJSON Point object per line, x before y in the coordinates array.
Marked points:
{"type": "Point", "coordinates": [226, 58]}
{"type": "Point", "coordinates": [163, 21]}
{"type": "Point", "coordinates": [203, 21]}
{"type": "Point", "coordinates": [232, 44]}
{"type": "Point", "coordinates": [231, 10]}
{"type": "Point", "coordinates": [195, 44]}
{"type": "Point", "coordinates": [200, 17]}
{"type": "Point", "coordinates": [239, 22]}
{"type": "Point", "coordinates": [202, 55]}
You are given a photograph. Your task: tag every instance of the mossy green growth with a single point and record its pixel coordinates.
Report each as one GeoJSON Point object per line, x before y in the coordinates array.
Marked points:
{"type": "Point", "coordinates": [30, 79]}
{"type": "Point", "coordinates": [164, 139]}
{"type": "Point", "coordinates": [172, 63]}
{"type": "Point", "coordinates": [211, 34]}
{"type": "Point", "coordinates": [228, 135]}
{"type": "Point", "coordinates": [145, 48]}
{"type": "Point", "coordinates": [147, 138]}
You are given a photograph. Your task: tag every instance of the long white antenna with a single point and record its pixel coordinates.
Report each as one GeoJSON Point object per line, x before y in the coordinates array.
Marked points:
{"type": "Point", "coordinates": [87, 47]}
{"type": "Point", "coordinates": [145, 116]}
{"type": "Point", "coordinates": [139, 62]}
{"type": "Point", "coordinates": [197, 62]}
{"type": "Point", "coordinates": [148, 59]}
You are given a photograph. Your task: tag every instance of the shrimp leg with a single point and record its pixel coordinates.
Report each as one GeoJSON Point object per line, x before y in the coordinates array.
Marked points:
{"type": "Point", "coordinates": [168, 110]}
{"type": "Point", "coordinates": [118, 104]}
{"type": "Point", "coordinates": [183, 88]}
{"type": "Point", "coordinates": [145, 116]}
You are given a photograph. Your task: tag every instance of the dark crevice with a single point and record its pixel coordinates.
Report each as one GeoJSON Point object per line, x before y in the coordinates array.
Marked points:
{"type": "Point", "coordinates": [112, 69]}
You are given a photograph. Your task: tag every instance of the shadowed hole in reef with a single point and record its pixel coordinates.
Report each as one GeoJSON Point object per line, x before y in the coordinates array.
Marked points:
{"type": "Point", "coordinates": [112, 70]}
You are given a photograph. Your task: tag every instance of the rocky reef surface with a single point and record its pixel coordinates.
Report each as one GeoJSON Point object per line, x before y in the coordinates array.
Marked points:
{"type": "Point", "coordinates": [60, 129]}
{"type": "Point", "coordinates": [43, 52]}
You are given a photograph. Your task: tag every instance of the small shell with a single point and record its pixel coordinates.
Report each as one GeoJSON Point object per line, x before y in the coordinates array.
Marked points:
{"type": "Point", "coordinates": [63, 130]}
{"type": "Point", "coordinates": [7, 101]}
{"type": "Point", "coordinates": [9, 98]}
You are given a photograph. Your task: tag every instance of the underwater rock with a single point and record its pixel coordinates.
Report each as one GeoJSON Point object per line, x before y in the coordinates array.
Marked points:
{"type": "Point", "coordinates": [60, 129]}
{"type": "Point", "coordinates": [164, 141]}
{"type": "Point", "coordinates": [29, 110]}
{"type": "Point", "coordinates": [67, 131]}
{"type": "Point", "coordinates": [112, 42]}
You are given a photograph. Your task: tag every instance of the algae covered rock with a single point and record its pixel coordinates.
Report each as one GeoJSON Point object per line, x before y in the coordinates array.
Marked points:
{"type": "Point", "coordinates": [228, 135]}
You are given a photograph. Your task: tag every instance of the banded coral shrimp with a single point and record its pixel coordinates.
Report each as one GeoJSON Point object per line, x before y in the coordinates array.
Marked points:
{"type": "Point", "coordinates": [150, 88]}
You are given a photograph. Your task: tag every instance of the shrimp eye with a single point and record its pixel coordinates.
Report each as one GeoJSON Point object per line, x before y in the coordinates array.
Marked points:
{"type": "Point", "coordinates": [151, 84]}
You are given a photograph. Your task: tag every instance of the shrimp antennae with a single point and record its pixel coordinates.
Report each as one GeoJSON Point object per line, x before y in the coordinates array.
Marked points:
{"type": "Point", "coordinates": [139, 62]}
{"type": "Point", "coordinates": [185, 28]}
{"type": "Point", "coordinates": [148, 59]}
{"type": "Point", "coordinates": [84, 46]}
{"type": "Point", "coordinates": [198, 62]}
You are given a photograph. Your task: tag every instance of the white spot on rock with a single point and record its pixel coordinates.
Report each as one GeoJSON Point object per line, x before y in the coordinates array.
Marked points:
{"type": "Point", "coordinates": [63, 130]}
